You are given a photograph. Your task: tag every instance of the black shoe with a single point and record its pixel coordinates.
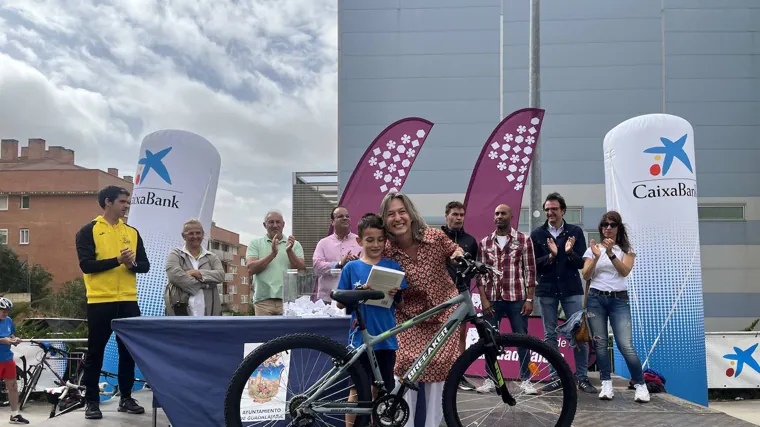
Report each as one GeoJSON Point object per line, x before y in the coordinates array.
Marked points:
{"type": "Point", "coordinates": [129, 405]}
{"type": "Point", "coordinates": [92, 411]}
{"type": "Point", "coordinates": [587, 387]}
{"type": "Point", "coordinates": [554, 385]}
{"type": "Point", "coordinates": [18, 419]}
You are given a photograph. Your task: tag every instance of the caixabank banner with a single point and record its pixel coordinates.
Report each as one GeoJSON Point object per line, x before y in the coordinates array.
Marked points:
{"type": "Point", "coordinates": [176, 179]}
{"type": "Point", "coordinates": [650, 178]}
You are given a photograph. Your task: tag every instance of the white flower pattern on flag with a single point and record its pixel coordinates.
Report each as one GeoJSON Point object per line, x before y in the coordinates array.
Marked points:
{"type": "Point", "coordinates": [391, 164]}
{"type": "Point", "coordinates": [512, 157]}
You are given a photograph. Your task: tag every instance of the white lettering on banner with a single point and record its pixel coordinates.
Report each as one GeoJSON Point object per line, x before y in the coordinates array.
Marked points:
{"type": "Point", "coordinates": [650, 179]}
{"type": "Point", "coordinates": [265, 394]}
{"type": "Point", "coordinates": [176, 179]}
{"type": "Point", "coordinates": [733, 360]}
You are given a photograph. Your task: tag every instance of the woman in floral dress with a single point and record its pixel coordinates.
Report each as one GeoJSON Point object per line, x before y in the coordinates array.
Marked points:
{"type": "Point", "coordinates": [423, 253]}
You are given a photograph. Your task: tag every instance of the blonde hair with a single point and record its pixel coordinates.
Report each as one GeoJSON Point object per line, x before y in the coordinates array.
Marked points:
{"type": "Point", "coordinates": [418, 225]}
{"type": "Point", "coordinates": [192, 221]}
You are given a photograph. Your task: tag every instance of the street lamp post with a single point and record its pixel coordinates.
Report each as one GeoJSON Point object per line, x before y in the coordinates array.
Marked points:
{"type": "Point", "coordinates": [534, 101]}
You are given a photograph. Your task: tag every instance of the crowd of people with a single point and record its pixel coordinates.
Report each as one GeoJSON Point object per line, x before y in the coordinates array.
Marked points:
{"type": "Point", "coordinates": [549, 265]}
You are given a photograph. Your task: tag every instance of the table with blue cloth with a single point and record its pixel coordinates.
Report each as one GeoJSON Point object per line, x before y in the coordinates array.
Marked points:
{"type": "Point", "coordinates": [189, 361]}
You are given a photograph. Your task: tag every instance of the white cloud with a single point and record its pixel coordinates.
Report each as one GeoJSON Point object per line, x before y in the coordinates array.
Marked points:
{"type": "Point", "coordinates": [256, 78]}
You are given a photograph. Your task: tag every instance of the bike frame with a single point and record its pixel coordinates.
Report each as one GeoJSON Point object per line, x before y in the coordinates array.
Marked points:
{"type": "Point", "coordinates": [464, 313]}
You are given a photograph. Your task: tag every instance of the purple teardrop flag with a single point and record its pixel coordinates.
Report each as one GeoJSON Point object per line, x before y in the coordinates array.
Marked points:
{"type": "Point", "coordinates": [502, 170]}
{"type": "Point", "coordinates": [384, 167]}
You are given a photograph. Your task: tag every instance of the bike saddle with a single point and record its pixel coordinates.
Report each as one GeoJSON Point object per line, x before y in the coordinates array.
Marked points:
{"type": "Point", "coordinates": [352, 298]}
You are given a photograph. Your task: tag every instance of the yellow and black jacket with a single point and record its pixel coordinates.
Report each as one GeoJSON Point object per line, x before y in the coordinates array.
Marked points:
{"type": "Point", "coordinates": [99, 244]}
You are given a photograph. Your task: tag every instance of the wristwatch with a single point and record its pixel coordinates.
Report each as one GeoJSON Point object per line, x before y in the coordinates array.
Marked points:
{"type": "Point", "coordinates": [530, 300]}
{"type": "Point", "coordinates": [611, 257]}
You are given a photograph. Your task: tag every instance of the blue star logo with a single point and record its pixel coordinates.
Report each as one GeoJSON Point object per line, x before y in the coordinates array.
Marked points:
{"type": "Point", "coordinates": [154, 162]}
{"type": "Point", "coordinates": [671, 150]}
{"type": "Point", "coordinates": [743, 357]}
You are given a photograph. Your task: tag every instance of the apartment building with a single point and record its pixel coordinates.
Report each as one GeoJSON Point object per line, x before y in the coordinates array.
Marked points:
{"type": "Point", "coordinates": [45, 198]}
{"type": "Point", "coordinates": [236, 289]}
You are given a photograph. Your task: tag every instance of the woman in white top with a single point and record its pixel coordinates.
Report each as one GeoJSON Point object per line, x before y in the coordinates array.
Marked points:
{"type": "Point", "coordinates": [607, 265]}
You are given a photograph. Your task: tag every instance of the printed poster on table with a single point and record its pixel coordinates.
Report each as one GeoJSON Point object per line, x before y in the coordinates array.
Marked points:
{"type": "Point", "coordinates": [265, 394]}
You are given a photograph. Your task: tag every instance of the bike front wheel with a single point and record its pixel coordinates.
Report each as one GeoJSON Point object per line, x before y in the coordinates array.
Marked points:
{"type": "Point", "coordinates": [276, 379]}
{"type": "Point", "coordinates": [536, 376]}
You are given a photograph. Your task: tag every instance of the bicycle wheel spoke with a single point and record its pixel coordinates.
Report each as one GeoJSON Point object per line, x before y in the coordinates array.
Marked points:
{"type": "Point", "coordinates": [295, 379]}
{"type": "Point", "coordinates": [524, 364]}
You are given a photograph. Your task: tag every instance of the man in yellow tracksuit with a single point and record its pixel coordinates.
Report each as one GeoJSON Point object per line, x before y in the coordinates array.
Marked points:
{"type": "Point", "coordinates": [111, 253]}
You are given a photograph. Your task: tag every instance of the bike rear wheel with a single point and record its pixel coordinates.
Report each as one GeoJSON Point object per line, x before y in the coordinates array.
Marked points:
{"type": "Point", "coordinates": [482, 406]}
{"type": "Point", "coordinates": [275, 379]}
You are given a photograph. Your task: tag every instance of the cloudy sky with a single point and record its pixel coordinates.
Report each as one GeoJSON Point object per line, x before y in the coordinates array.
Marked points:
{"type": "Point", "coordinates": [257, 78]}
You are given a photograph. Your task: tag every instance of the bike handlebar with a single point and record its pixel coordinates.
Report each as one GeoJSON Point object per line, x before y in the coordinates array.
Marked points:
{"type": "Point", "coordinates": [469, 268]}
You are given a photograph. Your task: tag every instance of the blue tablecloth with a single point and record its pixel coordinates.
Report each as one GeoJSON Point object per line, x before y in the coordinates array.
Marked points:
{"type": "Point", "coordinates": [189, 361]}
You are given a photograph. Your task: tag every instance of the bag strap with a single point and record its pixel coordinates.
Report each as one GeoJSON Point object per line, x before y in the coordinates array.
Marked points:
{"type": "Point", "coordinates": [585, 296]}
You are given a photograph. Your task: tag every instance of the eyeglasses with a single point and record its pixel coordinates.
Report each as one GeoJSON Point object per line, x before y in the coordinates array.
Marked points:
{"type": "Point", "coordinates": [609, 225]}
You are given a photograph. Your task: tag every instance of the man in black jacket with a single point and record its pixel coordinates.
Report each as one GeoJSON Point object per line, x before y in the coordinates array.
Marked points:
{"type": "Point", "coordinates": [454, 228]}
{"type": "Point", "coordinates": [559, 249]}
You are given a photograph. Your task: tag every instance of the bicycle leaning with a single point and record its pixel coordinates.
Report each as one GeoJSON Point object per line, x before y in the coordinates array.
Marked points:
{"type": "Point", "coordinates": [69, 393]}
{"type": "Point", "coordinates": [268, 385]}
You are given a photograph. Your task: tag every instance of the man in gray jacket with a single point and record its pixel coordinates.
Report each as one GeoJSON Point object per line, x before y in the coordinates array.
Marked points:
{"type": "Point", "coordinates": [193, 274]}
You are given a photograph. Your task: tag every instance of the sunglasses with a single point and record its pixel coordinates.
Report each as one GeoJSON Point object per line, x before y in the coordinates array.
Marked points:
{"type": "Point", "coordinates": [609, 225]}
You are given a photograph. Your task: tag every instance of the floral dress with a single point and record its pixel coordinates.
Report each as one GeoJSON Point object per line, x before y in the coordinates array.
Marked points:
{"type": "Point", "coordinates": [428, 285]}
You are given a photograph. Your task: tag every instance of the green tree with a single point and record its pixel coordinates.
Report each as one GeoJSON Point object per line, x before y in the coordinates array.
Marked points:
{"type": "Point", "coordinates": [16, 276]}
{"type": "Point", "coordinates": [71, 300]}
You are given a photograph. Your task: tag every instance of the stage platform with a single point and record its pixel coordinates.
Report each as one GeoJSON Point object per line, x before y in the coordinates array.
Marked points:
{"type": "Point", "coordinates": [664, 410]}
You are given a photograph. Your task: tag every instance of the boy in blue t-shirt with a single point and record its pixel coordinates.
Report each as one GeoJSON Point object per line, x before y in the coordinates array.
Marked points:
{"type": "Point", "coordinates": [7, 364]}
{"type": "Point", "coordinates": [377, 319]}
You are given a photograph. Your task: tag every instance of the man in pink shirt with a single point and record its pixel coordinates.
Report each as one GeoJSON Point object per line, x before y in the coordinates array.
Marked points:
{"type": "Point", "coordinates": [333, 252]}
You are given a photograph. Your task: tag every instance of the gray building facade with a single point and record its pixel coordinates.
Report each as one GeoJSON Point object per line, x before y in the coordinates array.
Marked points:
{"type": "Point", "coordinates": [463, 64]}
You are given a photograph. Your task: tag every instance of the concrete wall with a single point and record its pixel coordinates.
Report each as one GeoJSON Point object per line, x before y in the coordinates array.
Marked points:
{"type": "Point", "coordinates": [463, 65]}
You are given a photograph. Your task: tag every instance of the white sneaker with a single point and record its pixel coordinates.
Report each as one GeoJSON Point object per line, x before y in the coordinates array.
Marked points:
{"type": "Point", "coordinates": [607, 392]}
{"type": "Point", "coordinates": [642, 393]}
{"type": "Point", "coordinates": [527, 387]}
{"type": "Point", "coordinates": [487, 387]}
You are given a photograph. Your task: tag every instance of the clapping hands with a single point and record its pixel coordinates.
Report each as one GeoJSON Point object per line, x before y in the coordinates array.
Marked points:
{"type": "Point", "coordinates": [569, 244]}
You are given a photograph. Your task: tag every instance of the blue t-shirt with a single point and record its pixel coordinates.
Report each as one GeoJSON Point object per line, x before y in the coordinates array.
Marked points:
{"type": "Point", "coordinates": [6, 330]}
{"type": "Point", "coordinates": [377, 319]}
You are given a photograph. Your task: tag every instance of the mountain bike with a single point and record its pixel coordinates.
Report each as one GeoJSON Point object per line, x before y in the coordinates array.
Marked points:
{"type": "Point", "coordinates": [261, 391]}
{"type": "Point", "coordinates": [68, 395]}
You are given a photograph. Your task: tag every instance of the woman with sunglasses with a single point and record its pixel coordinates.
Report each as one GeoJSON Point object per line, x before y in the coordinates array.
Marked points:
{"type": "Point", "coordinates": [607, 265]}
